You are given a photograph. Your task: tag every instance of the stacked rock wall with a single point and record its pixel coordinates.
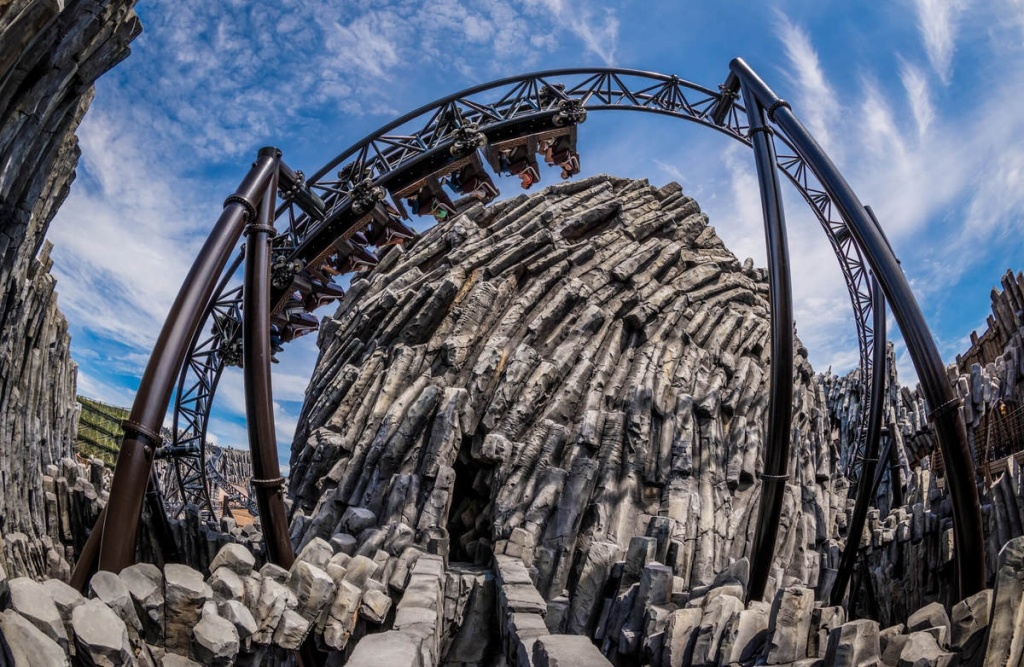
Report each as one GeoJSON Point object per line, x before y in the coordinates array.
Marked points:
{"type": "Point", "coordinates": [244, 614]}
{"type": "Point", "coordinates": [907, 551]}
{"type": "Point", "coordinates": [50, 54]}
{"type": "Point", "coordinates": [555, 378]}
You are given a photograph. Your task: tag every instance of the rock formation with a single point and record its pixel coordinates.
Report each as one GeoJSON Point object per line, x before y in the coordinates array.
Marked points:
{"type": "Point", "coordinates": [907, 547]}
{"type": "Point", "coordinates": [50, 54]}
{"type": "Point", "coordinates": [576, 379]}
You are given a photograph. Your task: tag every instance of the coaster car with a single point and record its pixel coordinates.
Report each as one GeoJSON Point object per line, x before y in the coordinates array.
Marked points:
{"type": "Point", "coordinates": [515, 157]}
{"type": "Point", "coordinates": [472, 180]}
{"type": "Point", "coordinates": [387, 227]}
{"type": "Point", "coordinates": [427, 197]}
{"type": "Point", "coordinates": [560, 150]}
{"type": "Point", "coordinates": [292, 320]}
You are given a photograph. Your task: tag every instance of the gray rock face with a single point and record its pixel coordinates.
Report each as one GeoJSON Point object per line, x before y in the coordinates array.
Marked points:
{"type": "Point", "coordinates": [790, 625]}
{"type": "Point", "coordinates": [566, 651]}
{"type": "Point", "coordinates": [236, 558]}
{"type": "Point", "coordinates": [745, 635]}
{"type": "Point", "coordinates": [66, 599]}
{"type": "Point", "coordinates": [32, 601]}
{"type": "Point", "coordinates": [969, 621]}
{"type": "Point", "coordinates": [226, 584]}
{"type": "Point", "coordinates": [931, 618]}
{"type": "Point", "coordinates": [1006, 638]}
{"type": "Point", "coordinates": [215, 641]}
{"type": "Point", "coordinates": [387, 648]}
{"type": "Point", "coordinates": [313, 588]}
{"type": "Point", "coordinates": [341, 618]}
{"type": "Point", "coordinates": [681, 636]}
{"type": "Point", "coordinates": [921, 650]}
{"type": "Point", "coordinates": [145, 583]}
{"type": "Point", "coordinates": [112, 591]}
{"type": "Point", "coordinates": [274, 599]}
{"type": "Point", "coordinates": [291, 630]}
{"type": "Point", "coordinates": [854, 644]}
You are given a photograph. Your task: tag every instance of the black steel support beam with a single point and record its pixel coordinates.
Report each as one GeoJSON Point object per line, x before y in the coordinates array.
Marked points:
{"type": "Point", "coordinates": [259, 400]}
{"type": "Point", "coordinates": [729, 90]}
{"type": "Point", "coordinates": [865, 482]}
{"type": "Point", "coordinates": [780, 397]}
{"type": "Point", "coordinates": [950, 429]}
{"type": "Point", "coordinates": [115, 548]}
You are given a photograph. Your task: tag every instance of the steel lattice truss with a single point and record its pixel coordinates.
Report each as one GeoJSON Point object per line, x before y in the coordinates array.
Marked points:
{"type": "Point", "coordinates": [320, 215]}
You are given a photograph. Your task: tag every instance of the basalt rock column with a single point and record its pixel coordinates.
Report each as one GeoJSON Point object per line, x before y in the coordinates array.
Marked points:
{"type": "Point", "coordinates": [575, 378]}
{"type": "Point", "coordinates": [50, 55]}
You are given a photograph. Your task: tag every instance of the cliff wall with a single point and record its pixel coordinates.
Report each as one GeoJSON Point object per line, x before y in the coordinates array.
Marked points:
{"type": "Point", "coordinates": [50, 55]}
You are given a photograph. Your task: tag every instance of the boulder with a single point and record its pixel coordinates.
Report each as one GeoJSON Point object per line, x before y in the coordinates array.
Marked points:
{"type": "Point", "coordinates": [226, 584]}
{"type": "Point", "coordinates": [317, 552]}
{"type": "Point", "coordinates": [239, 616]}
{"type": "Point", "coordinates": [215, 641]}
{"type": "Point", "coordinates": [854, 644]}
{"type": "Point", "coordinates": [33, 602]}
{"type": "Point", "coordinates": [185, 592]}
{"type": "Point", "coordinates": [234, 557]}
{"type": "Point", "coordinates": [931, 618]}
{"type": "Point", "coordinates": [922, 650]}
{"type": "Point", "coordinates": [790, 624]}
{"type": "Point", "coordinates": [395, 649]}
{"type": "Point", "coordinates": [145, 583]}
{"type": "Point", "coordinates": [101, 637]}
{"type": "Point", "coordinates": [291, 630]}
{"type": "Point", "coordinates": [313, 588]}
{"type": "Point", "coordinates": [29, 645]}
{"type": "Point", "coordinates": [567, 651]}
{"type": "Point", "coordinates": [112, 591]}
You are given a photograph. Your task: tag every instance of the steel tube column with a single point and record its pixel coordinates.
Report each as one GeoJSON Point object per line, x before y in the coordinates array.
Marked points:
{"type": "Point", "coordinates": [116, 549]}
{"type": "Point", "coordinates": [259, 402]}
{"type": "Point", "coordinates": [780, 397]}
{"type": "Point", "coordinates": [938, 393]}
{"type": "Point", "coordinates": [865, 484]}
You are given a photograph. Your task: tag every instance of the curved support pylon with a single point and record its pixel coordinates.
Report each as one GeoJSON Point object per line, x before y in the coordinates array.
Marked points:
{"type": "Point", "coordinates": [873, 434]}
{"type": "Point", "coordinates": [780, 392]}
{"type": "Point", "coordinates": [950, 430]}
{"type": "Point", "coordinates": [259, 401]}
{"type": "Point", "coordinates": [115, 548]}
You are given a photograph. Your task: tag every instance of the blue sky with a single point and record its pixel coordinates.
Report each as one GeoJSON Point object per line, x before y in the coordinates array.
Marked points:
{"type": "Point", "coordinates": [917, 101]}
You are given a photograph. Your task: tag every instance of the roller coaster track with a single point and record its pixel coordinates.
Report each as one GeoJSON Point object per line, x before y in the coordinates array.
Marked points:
{"type": "Point", "coordinates": [321, 218]}
{"type": "Point", "coordinates": [419, 144]}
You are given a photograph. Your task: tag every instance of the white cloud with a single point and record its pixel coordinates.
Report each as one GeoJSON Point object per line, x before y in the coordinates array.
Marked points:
{"type": "Point", "coordinates": [205, 86]}
{"type": "Point", "coordinates": [815, 99]}
{"type": "Point", "coordinates": [598, 30]}
{"type": "Point", "coordinates": [97, 389]}
{"type": "Point", "coordinates": [936, 20]}
{"type": "Point", "coordinates": [124, 239]}
{"type": "Point", "coordinates": [919, 96]}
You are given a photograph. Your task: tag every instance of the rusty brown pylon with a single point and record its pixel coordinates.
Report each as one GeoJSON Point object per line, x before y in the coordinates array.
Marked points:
{"type": "Point", "coordinates": [112, 542]}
